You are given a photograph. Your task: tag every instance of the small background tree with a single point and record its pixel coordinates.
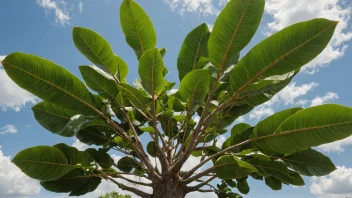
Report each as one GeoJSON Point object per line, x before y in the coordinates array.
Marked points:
{"type": "Point", "coordinates": [214, 85]}
{"type": "Point", "coordinates": [114, 195]}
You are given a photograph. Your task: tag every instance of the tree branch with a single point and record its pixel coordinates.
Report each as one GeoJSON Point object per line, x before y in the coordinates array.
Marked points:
{"type": "Point", "coordinates": [135, 182]}
{"type": "Point", "coordinates": [203, 183]}
{"type": "Point", "coordinates": [134, 190]}
{"type": "Point", "coordinates": [162, 156]}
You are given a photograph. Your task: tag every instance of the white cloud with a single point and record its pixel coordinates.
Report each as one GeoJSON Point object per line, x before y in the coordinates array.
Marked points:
{"type": "Point", "coordinates": [260, 112]}
{"type": "Point", "coordinates": [337, 184]}
{"type": "Point", "coordinates": [62, 16]}
{"type": "Point", "coordinates": [291, 92]}
{"type": "Point", "coordinates": [80, 7]}
{"type": "Point", "coordinates": [201, 7]}
{"type": "Point", "coordinates": [14, 183]}
{"type": "Point", "coordinates": [336, 146]}
{"type": "Point", "coordinates": [8, 129]}
{"type": "Point", "coordinates": [61, 10]}
{"type": "Point", "coordinates": [330, 96]}
{"type": "Point", "coordinates": [287, 12]}
{"type": "Point", "coordinates": [79, 145]}
{"type": "Point", "coordinates": [12, 96]}
{"type": "Point", "coordinates": [287, 96]}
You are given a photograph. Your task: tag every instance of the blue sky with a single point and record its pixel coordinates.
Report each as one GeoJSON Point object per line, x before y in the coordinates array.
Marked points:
{"type": "Point", "coordinates": [43, 27]}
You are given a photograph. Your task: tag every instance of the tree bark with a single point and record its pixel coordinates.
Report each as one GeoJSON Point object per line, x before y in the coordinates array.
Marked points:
{"type": "Point", "coordinates": [168, 188]}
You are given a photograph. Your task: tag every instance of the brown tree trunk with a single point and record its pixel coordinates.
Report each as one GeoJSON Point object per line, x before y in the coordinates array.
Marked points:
{"type": "Point", "coordinates": [168, 188]}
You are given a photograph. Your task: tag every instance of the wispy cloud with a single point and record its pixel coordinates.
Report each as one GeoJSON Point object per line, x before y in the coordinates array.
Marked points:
{"type": "Point", "coordinates": [201, 7]}
{"type": "Point", "coordinates": [60, 9]}
{"type": "Point", "coordinates": [9, 128]}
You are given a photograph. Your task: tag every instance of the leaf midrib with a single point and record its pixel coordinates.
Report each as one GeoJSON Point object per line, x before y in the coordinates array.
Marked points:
{"type": "Point", "coordinates": [297, 131]}
{"type": "Point", "coordinates": [233, 36]}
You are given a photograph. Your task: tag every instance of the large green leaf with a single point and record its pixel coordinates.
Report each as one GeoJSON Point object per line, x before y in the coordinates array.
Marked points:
{"type": "Point", "coordinates": [273, 183]}
{"type": "Point", "coordinates": [233, 30]}
{"type": "Point", "coordinates": [99, 81]}
{"type": "Point", "coordinates": [239, 128]}
{"type": "Point", "coordinates": [101, 157]}
{"type": "Point", "coordinates": [49, 82]}
{"type": "Point", "coordinates": [300, 132]}
{"type": "Point", "coordinates": [126, 164]}
{"type": "Point", "coordinates": [137, 27]}
{"type": "Point", "coordinates": [74, 156]}
{"type": "Point", "coordinates": [263, 90]}
{"type": "Point", "coordinates": [193, 48]}
{"type": "Point", "coordinates": [194, 87]}
{"type": "Point", "coordinates": [69, 182]}
{"type": "Point", "coordinates": [44, 163]}
{"type": "Point", "coordinates": [91, 184]}
{"type": "Point", "coordinates": [230, 167]}
{"type": "Point", "coordinates": [238, 138]}
{"type": "Point", "coordinates": [56, 119]}
{"type": "Point", "coordinates": [150, 70]}
{"type": "Point", "coordinates": [137, 97]}
{"type": "Point", "coordinates": [309, 162]}
{"type": "Point", "coordinates": [122, 70]}
{"type": "Point", "coordinates": [95, 132]}
{"type": "Point", "coordinates": [283, 52]}
{"type": "Point", "coordinates": [268, 167]}
{"type": "Point", "coordinates": [95, 48]}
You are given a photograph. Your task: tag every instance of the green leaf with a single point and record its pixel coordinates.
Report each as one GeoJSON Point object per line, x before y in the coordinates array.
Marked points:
{"type": "Point", "coordinates": [99, 81]}
{"type": "Point", "coordinates": [238, 138]}
{"type": "Point", "coordinates": [268, 167]}
{"type": "Point", "coordinates": [95, 48]}
{"type": "Point", "coordinates": [263, 90]}
{"type": "Point", "coordinates": [150, 70]}
{"type": "Point", "coordinates": [300, 132]}
{"type": "Point", "coordinates": [239, 128]}
{"type": "Point", "coordinates": [273, 183]}
{"type": "Point", "coordinates": [101, 157]}
{"type": "Point", "coordinates": [122, 70]}
{"type": "Point", "coordinates": [50, 82]}
{"type": "Point", "coordinates": [233, 29]}
{"type": "Point", "coordinates": [283, 52]}
{"type": "Point", "coordinates": [126, 164]}
{"type": "Point", "coordinates": [242, 186]}
{"type": "Point", "coordinates": [193, 48]}
{"type": "Point", "coordinates": [74, 156]}
{"type": "Point", "coordinates": [194, 87]}
{"type": "Point", "coordinates": [137, 27]}
{"type": "Point", "coordinates": [69, 182]}
{"type": "Point", "coordinates": [95, 132]}
{"type": "Point", "coordinates": [137, 98]}
{"type": "Point", "coordinates": [43, 163]}
{"type": "Point", "coordinates": [56, 119]}
{"type": "Point", "coordinates": [148, 129]}
{"type": "Point", "coordinates": [230, 167]}
{"type": "Point", "coordinates": [151, 149]}
{"type": "Point", "coordinates": [89, 186]}
{"type": "Point", "coordinates": [310, 162]}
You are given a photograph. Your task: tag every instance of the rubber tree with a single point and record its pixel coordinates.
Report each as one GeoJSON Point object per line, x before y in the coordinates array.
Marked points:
{"type": "Point", "coordinates": [215, 86]}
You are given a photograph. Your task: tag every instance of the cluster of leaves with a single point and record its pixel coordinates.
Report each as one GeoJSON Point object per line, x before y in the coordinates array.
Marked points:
{"type": "Point", "coordinates": [214, 85]}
